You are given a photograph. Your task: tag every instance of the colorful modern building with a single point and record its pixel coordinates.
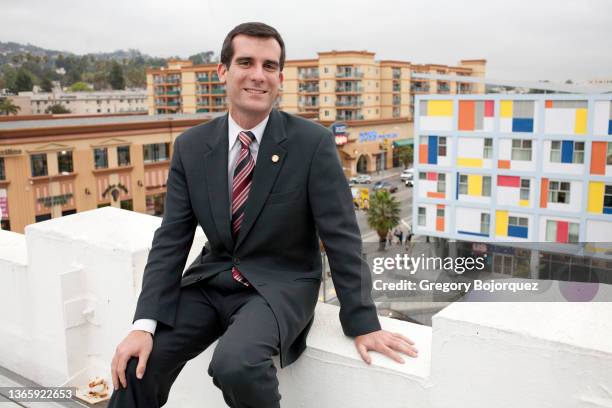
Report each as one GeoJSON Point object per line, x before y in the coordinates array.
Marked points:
{"type": "Point", "coordinates": [502, 168]}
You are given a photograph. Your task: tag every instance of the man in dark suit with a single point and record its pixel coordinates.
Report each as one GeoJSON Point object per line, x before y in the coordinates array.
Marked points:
{"type": "Point", "coordinates": [264, 185]}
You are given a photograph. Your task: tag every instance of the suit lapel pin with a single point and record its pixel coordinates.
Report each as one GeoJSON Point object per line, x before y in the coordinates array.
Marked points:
{"type": "Point", "coordinates": [275, 158]}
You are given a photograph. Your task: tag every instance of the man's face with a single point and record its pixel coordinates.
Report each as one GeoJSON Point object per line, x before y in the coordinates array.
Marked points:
{"type": "Point", "coordinates": [253, 78]}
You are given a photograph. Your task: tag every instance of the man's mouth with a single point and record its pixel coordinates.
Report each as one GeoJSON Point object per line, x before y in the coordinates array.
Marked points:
{"type": "Point", "coordinates": [255, 91]}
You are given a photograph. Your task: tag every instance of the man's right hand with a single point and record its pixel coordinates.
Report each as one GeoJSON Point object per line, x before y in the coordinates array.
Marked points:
{"type": "Point", "coordinates": [138, 343]}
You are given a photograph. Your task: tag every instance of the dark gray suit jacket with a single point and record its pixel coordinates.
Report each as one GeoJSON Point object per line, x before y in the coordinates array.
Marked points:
{"type": "Point", "coordinates": [291, 203]}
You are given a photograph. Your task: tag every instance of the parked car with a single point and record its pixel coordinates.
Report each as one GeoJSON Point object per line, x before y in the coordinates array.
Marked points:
{"type": "Point", "coordinates": [384, 185]}
{"type": "Point", "coordinates": [361, 179]}
{"type": "Point", "coordinates": [407, 174]}
{"type": "Point", "coordinates": [408, 183]}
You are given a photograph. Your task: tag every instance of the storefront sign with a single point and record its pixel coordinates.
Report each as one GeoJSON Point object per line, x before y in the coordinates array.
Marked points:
{"type": "Point", "coordinates": [339, 131]}
{"type": "Point", "coordinates": [4, 214]}
{"type": "Point", "coordinates": [373, 136]}
{"type": "Point", "coordinates": [55, 200]}
{"type": "Point", "coordinates": [10, 152]}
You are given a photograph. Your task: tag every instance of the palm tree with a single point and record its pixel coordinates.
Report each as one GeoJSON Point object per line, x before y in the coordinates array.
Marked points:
{"type": "Point", "coordinates": [7, 107]}
{"type": "Point", "coordinates": [383, 215]}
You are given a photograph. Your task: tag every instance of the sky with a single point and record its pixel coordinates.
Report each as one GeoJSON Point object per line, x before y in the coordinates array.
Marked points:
{"type": "Point", "coordinates": [520, 39]}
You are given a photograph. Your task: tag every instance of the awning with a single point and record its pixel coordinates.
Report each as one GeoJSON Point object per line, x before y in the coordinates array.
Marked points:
{"type": "Point", "coordinates": [403, 142]}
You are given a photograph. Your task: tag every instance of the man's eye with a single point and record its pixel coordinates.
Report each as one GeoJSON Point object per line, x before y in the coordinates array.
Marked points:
{"type": "Point", "coordinates": [243, 63]}
{"type": "Point", "coordinates": [270, 67]}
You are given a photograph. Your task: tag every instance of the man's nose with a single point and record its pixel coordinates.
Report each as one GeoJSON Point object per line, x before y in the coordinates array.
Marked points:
{"type": "Point", "coordinates": [257, 73]}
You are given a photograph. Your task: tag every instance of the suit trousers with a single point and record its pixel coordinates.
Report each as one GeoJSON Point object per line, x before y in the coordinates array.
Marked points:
{"type": "Point", "coordinates": [241, 366]}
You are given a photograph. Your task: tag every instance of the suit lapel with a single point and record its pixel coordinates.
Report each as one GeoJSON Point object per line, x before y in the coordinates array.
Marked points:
{"type": "Point", "coordinates": [215, 170]}
{"type": "Point", "coordinates": [265, 173]}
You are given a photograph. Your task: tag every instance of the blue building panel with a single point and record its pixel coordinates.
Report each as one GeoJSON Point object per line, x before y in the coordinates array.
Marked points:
{"type": "Point", "coordinates": [522, 125]}
{"type": "Point", "coordinates": [517, 232]}
{"type": "Point", "coordinates": [567, 151]}
{"type": "Point", "coordinates": [432, 150]}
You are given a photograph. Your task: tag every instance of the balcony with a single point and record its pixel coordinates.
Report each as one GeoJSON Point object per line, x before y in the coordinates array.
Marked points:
{"type": "Point", "coordinates": [219, 90]}
{"type": "Point", "coordinates": [74, 281]}
{"type": "Point", "coordinates": [309, 89]}
{"type": "Point", "coordinates": [349, 89]}
{"type": "Point", "coordinates": [418, 87]}
{"type": "Point", "coordinates": [215, 77]}
{"type": "Point", "coordinates": [357, 74]}
{"type": "Point", "coordinates": [309, 76]}
{"type": "Point", "coordinates": [397, 88]}
{"type": "Point", "coordinates": [397, 74]}
{"type": "Point", "coordinates": [202, 78]}
{"type": "Point", "coordinates": [443, 87]}
{"type": "Point", "coordinates": [202, 90]}
{"type": "Point", "coordinates": [350, 103]}
{"type": "Point", "coordinates": [349, 116]}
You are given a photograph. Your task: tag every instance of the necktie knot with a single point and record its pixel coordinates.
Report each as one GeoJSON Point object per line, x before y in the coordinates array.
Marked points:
{"type": "Point", "coordinates": [246, 138]}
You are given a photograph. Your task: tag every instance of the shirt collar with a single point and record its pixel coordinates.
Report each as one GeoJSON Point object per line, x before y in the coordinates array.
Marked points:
{"type": "Point", "coordinates": [234, 129]}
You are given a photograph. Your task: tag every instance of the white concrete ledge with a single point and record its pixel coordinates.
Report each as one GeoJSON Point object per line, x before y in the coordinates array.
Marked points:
{"type": "Point", "coordinates": [68, 289]}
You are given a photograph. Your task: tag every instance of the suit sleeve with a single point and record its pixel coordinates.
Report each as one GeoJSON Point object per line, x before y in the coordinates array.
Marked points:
{"type": "Point", "coordinates": [171, 244]}
{"type": "Point", "coordinates": [332, 207]}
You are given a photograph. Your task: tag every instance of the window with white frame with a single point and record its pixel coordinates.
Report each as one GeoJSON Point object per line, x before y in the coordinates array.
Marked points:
{"type": "Point", "coordinates": [521, 149]}
{"type": "Point", "coordinates": [442, 146]}
{"type": "Point", "coordinates": [518, 221]}
{"type": "Point", "coordinates": [422, 175]}
{"type": "Point", "coordinates": [525, 188]}
{"type": "Point", "coordinates": [441, 186]}
{"type": "Point", "coordinates": [422, 216]}
{"type": "Point", "coordinates": [488, 148]}
{"type": "Point", "coordinates": [485, 221]}
{"type": "Point", "coordinates": [578, 157]}
{"type": "Point", "coordinates": [486, 186]}
{"type": "Point", "coordinates": [463, 184]}
{"type": "Point", "coordinates": [573, 231]}
{"type": "Point", "coordinates": [559, 192]}
{"type": "Point", "coordinates": [555, 151]}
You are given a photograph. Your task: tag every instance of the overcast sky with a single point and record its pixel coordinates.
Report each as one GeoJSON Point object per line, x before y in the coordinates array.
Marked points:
{"type": "Point", "coordinates": [521, 39]}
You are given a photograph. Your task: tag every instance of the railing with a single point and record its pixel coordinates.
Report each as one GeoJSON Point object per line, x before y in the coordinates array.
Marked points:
{"type": "Point", "coordinates": [308, 89]}
{"type": "Point", "coordinates": [218, 91]}
{"type": "Point", "coordinates": [311, 75]}
{"type": "Point", "coordinates": [350, 74]}
{"type": "Point", "coordinates": [349, 103]}
{"type": "Point", "coordinates": [202, 78]}
{"type": "Point", "coordinates": [349, 89]}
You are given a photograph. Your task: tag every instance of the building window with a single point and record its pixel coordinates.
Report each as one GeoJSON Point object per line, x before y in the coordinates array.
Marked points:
{"type": "Point", "coordinates": [518, 221]}
{"type": "Point", "coordinates": [485, 221]}
{"type": "Point", "coordinates": [609, 155]}
{"type": "Point", "coordinates": [155, 204]}
{"type": "Point", "coordinates": [441, 187]}
{"type": "Point", "coordinates": [555, 151]}
{"type": "Point", "coordinates": [64, 162]}
{"type": "Point", "coordinates": [488, 148]}
{"type": "Point", "coordinates": [559, 192]}
{"type": "Point", "coordinates": [2, 172]}
{"type": "Point", "coordinates": [39, 164]}
{"type": "Point", "coordinates": [422, 175]}
{"type": "Point", "coordinates": [68, 212]}
{"type": "Point", "coordinates": [521, 149]}
{"type": "Point", "coordinates": [486, 186]}
{"type": "Point", "coordinates": [325, 70]}
{"type": "Point", "coordinates": [42, 217]}
{"type": "Point", "coordinates": [156, 152]}
{"type": "Point", "coordinates": [608, 197]}
{"type": "Point", "coordinates": [524, 189]}
{"type": "Point", "coordinates": [442, 146]}
{"type": "Point", "coordinates": [551, 231]}
{"type": "Point", "coordinates": [123, 155]}
{"type": "Point", "coordinates": [5, 224]}
{"type": "Point", "coordinates": [440, 212]}
{"type": "Point", "coordinates": [463, 184]}
{"type": "Point", "coordinates": [101, 158]}
{"type": "Point", "coordinates": [326, 113]}
{"type": "Point", "coordinates": [578, 152]}
{"type": "Point", "coordinates": [422, 216]}
{"type": "Point", "coordinates": [127, 205]}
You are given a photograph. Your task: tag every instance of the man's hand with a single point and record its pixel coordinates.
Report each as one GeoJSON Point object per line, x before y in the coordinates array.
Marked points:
{"type": "Point", "coordinates": [138, 343]}
{"type": "Point", "coordinates": [386, 343]}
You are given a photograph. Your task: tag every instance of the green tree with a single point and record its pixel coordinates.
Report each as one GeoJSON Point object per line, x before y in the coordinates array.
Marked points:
{"type": "Point", "coordinates": [46, 85]}
{"type": "Point", "coordinates": [116, 76]}
{"type": "Point", "coordinates": [406, 155]}
{"type": "Point", "coordinates": [57, 108]}
{"type": "Point", "coordinates": [10, 77]}
{"type": "Point", "coordinates": [24, 81]}
{"type": "Point", "coordinates": [8, 108]}
{"type": "Point", "coordinates": [383, 215]}
{"type": "Point", "coordinates": [80, 87]}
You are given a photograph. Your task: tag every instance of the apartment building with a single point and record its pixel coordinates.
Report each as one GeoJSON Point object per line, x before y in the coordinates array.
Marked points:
{"type": "Point", "coordinates": [87, 103]}
{"type": "Point", "coordinates": [336, 86]}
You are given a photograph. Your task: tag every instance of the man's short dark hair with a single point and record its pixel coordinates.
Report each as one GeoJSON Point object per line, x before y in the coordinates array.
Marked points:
{"type": "Point", "coordinates": [260, 30]}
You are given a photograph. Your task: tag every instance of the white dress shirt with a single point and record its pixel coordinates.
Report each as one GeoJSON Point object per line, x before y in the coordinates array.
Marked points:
{"type": "Point", "coordinates": [233, 129]}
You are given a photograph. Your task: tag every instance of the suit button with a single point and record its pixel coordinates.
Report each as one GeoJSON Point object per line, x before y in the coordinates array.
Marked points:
{"type": "Point", "coordinates": [236, 260]}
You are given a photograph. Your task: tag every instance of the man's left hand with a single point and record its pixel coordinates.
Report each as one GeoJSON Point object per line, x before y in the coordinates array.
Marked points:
{"type": "Point", "coordinates": [386, 343]}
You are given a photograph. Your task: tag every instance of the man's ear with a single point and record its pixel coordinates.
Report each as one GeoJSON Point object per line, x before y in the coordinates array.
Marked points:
{"type": "Point", "coordinates": [222, 72]}
{"type": "Point", "coordinates": [281, 76]}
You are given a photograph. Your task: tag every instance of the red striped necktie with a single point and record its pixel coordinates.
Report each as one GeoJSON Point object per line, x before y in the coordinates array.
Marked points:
{"type": "Point", "coordinates": [241, 185]}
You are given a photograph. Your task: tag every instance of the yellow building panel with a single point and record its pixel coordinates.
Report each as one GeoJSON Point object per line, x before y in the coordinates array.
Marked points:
{"type": "Point", "coordinates": [501, 223]}
{"type": "Point", "coordinates": [468, 162]}
{"type": "Point", "coordinates": [596, 197]}
{"type": "Point", "coordinates": [581, 121]}
{"type": "Point", "coordinates": [505, 109]}
{"type": "Point", "coordinates": [524, 203]}
{"type": "Point", "coordinates": [439, 108]}
{"type": "Point", "coordinates": [474, 185]}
